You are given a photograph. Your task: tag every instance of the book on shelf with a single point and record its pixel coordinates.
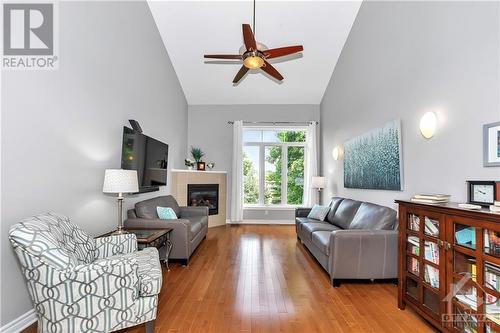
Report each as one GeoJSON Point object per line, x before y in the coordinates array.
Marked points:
{"type": "Point", "coordinates": [491, 276]}
{"type": "Point", "coordinates": [495, 208]}
{"type": "Point", "coordinates": [469, 300]}
{"type": "Point", "coordinates": [414, 222]}
{"type": "Point", "coordinates": [430, 227]}
{"type": "Point", "coordinates": [431, 276]}
{"type": "Point", "coordinates": [431, 252]}
{"type": "Point", "coordinates": [432, 196]}
{"type": "Point", "coordinates": [429, 201]}
{"type": "Point", "coordinates": [496, 203]}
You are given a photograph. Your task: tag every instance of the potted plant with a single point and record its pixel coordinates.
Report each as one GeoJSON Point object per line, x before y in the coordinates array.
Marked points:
{"type": "Point", "coordinates": [197, 155]}
{"type": "Point", "coordinates": [189, 163]}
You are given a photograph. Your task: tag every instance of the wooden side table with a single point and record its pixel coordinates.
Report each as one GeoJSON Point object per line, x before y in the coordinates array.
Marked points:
{"type": "Point", "coordinates": [152, 238]}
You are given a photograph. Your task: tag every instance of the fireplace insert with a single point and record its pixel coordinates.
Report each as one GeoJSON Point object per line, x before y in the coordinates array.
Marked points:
{"type": "Point", "coordinates": [204, 195]}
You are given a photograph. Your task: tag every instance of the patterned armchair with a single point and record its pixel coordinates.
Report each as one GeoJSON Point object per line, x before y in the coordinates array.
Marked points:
{"type": "Point", "coordinates": [81, 284]}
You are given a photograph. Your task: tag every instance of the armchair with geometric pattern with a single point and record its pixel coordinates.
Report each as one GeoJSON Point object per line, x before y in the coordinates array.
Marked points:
{"type": "Point", "coordinates": [81, 284]}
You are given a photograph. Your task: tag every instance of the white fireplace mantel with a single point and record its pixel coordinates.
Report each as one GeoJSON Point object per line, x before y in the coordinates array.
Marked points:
{"type": "Point", "coordinates": [179, 189]}
{"type": "Point", "coordinates": [197, 171]}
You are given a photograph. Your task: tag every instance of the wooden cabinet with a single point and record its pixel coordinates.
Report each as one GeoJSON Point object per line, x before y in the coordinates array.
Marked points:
{"type": "Point", "coordinates": [449, 266]}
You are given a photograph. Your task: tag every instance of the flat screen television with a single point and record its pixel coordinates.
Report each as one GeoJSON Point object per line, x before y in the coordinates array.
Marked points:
{"type": "Point", "coordinates": [146, 155]}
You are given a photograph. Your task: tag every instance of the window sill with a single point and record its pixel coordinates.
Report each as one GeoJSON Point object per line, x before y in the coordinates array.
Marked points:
{"type": "Point", "coordinates": [274, 207]}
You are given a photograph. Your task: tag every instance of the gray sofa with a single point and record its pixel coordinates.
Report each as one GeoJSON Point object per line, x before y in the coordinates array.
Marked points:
{"type": "Point", "coordinates": [189, 229]}
{"type": "Point", "coordinates": [357, 240]}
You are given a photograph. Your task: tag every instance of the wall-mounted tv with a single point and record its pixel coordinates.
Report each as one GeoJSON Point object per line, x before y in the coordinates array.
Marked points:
{"type": "Point", "coordinates": [146, 155]}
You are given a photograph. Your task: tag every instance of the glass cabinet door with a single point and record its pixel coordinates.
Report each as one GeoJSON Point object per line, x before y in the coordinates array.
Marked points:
{"type": "Point", "coordinates": [474, 278]}
{"type": "Point", "coordinates": [424, 263]}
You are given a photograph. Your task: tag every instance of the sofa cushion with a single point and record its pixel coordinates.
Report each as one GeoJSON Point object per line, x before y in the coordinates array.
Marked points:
{"type": "Point", "coordinates": [374, 217]}
{"type": "Point", "coordinates": [345, 213]}
{"type": "Point", "coordinates": [322, 241]}
{"type": "Point", "coordinates": [334, 205]}
{"type": "Point", "coordinates": [147, 209]}
{"type": "Point", "coordinates": [309, 228]}
{"type": "Point", "coordinates": [301, 220]}
{"type": "Point", "coordinates": [318, 212]}
{"type": "Point", "coordinates": [166, 213]}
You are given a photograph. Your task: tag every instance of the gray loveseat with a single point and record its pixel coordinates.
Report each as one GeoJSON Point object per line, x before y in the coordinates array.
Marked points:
{"type": "Point", "coordinates": [357, 240]}
{"type": "Point", "coordinates": [189, 229]}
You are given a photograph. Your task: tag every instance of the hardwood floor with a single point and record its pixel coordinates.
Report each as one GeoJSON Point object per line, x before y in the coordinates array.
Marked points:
{"type": "Point", "coordinates": [258, 278]}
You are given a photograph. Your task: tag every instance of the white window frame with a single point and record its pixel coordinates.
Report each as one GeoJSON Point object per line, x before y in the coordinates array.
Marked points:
{"type": "Point", "coordinates": [284, 164]}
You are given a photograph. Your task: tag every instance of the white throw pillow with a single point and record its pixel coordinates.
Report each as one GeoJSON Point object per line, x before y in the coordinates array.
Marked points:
{"type": "Point", "coordinates": [319, 212]}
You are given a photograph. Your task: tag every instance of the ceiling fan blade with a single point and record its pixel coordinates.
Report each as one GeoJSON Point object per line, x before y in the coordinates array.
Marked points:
{"type": "Point", "coordinates": [283, 51]}
{"type": "Point", "coordinates": [223, 56]}
{"type": "Point", "coordinates": [271, 71]}
{"type": "Point", "coordinates": [243, 70]}
{"type": "Point", "coordinates": [248, 37]}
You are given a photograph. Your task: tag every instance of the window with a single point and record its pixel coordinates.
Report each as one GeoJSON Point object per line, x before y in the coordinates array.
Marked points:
{"type": "Point", "coordinates": [273, 166]}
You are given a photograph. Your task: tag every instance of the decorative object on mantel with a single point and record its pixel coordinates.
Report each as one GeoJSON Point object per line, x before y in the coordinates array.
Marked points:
{"type": "Point", "coordinates": [431, 198]}
{"type": "Point", "coordinates": [211, 165]}
{"type": "Point", "coordinates": [481, 192]}
{"type": "Point", "coordinates": [120, 181]}
{"type": "Point", "coordinates": [189, 163]}
{"type": "Point", "coordinates": [197, 155]}
{"type": "Point", "coordinates": [373, 160]}
{"type": "Point", "coordinates": [491, 144]}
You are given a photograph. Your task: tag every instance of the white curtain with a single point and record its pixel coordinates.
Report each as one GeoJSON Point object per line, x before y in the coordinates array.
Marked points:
{"type": "Point", "coordinates": [237, 173]}
{"type": "Point", "coordinates": [311, 165]}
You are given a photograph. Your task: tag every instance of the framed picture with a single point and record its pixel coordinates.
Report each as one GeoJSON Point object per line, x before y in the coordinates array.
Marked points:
{"type": "Point", "coordinates": [373, 160]}
{"type": "Point", "coordinates": [491, 144]}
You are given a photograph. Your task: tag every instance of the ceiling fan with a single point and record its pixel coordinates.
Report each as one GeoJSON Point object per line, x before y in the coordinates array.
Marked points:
{"type": "Point", "coordinates": [255, 56]}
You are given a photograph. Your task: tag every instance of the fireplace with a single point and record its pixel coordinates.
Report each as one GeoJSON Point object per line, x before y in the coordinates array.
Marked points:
{"type": "Point", "coordinates": [204, 195]}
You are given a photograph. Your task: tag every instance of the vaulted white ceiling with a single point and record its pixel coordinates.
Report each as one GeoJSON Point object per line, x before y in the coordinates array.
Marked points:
{"type": "Point", "coordinates": [191, 29]}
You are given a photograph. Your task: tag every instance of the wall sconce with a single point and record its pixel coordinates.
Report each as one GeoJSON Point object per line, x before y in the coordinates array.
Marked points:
{"type": "Point", "coordinates": [337, 153]}
{"type": "Point", "coordinates": [428, 124]}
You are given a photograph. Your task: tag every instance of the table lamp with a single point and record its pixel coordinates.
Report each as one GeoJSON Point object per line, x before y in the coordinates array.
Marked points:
{"type": "Point", "coordinates": [319, 184]}
{"type": "Point", "coordinates": [120, 181]}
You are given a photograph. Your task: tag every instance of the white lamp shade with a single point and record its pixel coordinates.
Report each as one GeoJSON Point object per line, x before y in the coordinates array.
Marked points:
{"type": "Point", "coordinates": [120, 181]}
{"type": "Point", "coordinates": [318, 182]}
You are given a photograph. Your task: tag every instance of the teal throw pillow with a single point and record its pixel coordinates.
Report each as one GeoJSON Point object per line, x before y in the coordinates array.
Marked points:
{"type": "Point", "coordinates": [166, 213]}
{"type": "Point", "coordinates": [319, 212]}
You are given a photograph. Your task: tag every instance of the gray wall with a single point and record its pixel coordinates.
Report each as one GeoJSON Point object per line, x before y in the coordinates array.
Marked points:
{"type": "Point", "coordinates": [209, 130]}
{"type": "Point", "coordinates": [61, 129]}
{"type": "Point", "coordinates": [405, 58]}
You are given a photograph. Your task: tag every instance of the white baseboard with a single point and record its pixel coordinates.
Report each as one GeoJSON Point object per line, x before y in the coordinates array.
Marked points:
{"type": "Point", "coordinates": [270, 222]}
{"type": "Point", "coordinates": [20, 323]}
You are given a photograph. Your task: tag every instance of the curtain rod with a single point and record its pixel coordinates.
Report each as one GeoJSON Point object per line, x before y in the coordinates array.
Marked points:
{"type": "Point", "coordinates": [275, 122]}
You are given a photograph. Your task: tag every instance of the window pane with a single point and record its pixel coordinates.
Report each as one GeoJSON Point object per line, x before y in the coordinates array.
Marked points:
{"type": "Point", "coordinates": [273, 175]}
{"type": "Point", "coordinates": [270, 136]}
{"type": "Point", "coordinates": [251, 175]}
{"type": "Point", "coordinates": [295, 175]}
{"type": "Point", "coordinates": [250, 135]}
{"type": "Point", "coordinates": [292, 136]}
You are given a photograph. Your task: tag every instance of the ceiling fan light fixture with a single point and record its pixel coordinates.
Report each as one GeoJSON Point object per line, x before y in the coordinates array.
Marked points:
{"type": "Point", "coordinates": [253, 60]}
